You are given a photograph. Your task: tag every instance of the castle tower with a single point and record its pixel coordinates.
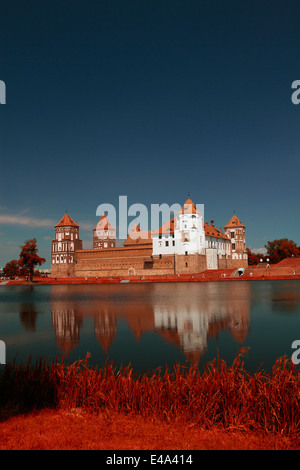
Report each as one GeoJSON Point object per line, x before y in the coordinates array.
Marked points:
{"type": "Point", "coordinates": [189, 231]}
{"type": "Point", "coordinates": [236, 232]}
{"type": "Point", "coordinates": [64, 246]}
{"type": "Point", "coordinates": [104, 234]}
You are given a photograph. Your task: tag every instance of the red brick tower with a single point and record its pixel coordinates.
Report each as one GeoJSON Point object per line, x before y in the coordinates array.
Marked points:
{"type": "Point", "coordinates": [236, 231]}
{"type": "Point", "coordinates": [104, 234]}
{"type": "Point", "coordinates": [64, 246]}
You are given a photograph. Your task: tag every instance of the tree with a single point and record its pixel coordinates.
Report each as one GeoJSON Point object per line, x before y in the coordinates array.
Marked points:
{"type": "Point", "coordinates": [12, 268]}
{"type": "Point", "coordinates": [280, 249]}
{"type": "Point", "coordinates": [254, 258]}
{"type": "Point", "coordinates": [29, 257]}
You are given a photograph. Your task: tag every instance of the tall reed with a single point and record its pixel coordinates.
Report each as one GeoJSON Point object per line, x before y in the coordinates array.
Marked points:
{"type": "Point", "coordinates": [222, 396]}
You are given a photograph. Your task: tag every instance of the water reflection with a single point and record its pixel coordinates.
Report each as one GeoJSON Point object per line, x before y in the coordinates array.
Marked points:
{"type": "Point", "coordinates": [186, 315]}
{"type": "Point", "coordinates": [151, 325]}
{"type": "Point", "coordinates": [28, 316]}
{"type": "Point", "coordinates": [66, 321]}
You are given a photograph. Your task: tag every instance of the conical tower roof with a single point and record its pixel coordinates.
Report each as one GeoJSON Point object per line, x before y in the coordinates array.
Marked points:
{"type": "Point", "coordinates": [189, 207]}
{"type": "Point", "coordinates": [104, 224]}
{"type": "Point", "coordinates": [234, 222]}
{"type": "Point", "coordinates": [66, 221]}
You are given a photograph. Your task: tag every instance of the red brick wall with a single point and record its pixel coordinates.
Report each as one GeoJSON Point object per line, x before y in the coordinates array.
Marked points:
{"type": "Point", "coordinates": [190, 264]}
{"type": "Point", "coordinates": [122, 261]}
{"type": "Point", "coordinates": [62, 270]}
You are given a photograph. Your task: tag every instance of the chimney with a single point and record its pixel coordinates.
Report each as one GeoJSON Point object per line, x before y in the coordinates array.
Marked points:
{"type": "Point", "coordinates": [212, 222]}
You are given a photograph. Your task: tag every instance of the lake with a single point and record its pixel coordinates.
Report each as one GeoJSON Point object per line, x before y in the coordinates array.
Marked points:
{"type": "Point", "coordinates": [152, 325]}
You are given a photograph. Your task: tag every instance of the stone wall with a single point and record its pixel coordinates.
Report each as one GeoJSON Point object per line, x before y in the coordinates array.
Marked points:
{"type": "Point", "coordinates": [190, 264]}
{"type": "Point", "coordinates": [120, 261]}
{"type": "Point", "coordinates": [63, 270]}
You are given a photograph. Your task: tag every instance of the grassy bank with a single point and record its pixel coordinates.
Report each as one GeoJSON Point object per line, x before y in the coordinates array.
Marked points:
{"type": "Point", "coordinates": [221, 401]}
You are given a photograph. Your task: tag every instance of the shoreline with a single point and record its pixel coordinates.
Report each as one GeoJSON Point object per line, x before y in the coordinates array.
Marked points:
{"type": "Point", "coordinates": [83, 407]}
{"type": "Point", "coordinates": [149, 279]}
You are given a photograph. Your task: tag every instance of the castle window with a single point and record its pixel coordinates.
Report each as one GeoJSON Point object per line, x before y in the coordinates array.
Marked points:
{"type": "Point", "coordinates": [57, 259]}
{"type": "Point", "coordinates": [173, 242]}
{"type": "Point", "coordinates": [167, 243]}
{"type": "Point", "coordinates": [186, 253]}
{"type": "Point", "coordinates": [61, 258]}
{"type": "Point", "coordinates": [233, 246]}
{"type": "Point", "coordinates": [232, 234]}
{"type": "Point", "coordinates": [186, 265]}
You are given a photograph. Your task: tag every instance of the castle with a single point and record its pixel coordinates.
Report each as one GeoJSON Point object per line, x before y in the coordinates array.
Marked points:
{"type": "Point", "coordinates": [184, 245]}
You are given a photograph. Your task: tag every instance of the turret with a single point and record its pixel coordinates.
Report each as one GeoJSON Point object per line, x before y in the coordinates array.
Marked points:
{"type": "Point", "coordinates": [236, 232]}
{"type": "Point", "coordinates": [104, 234]}
{"type": "Point", "coordinates": [64, 246]}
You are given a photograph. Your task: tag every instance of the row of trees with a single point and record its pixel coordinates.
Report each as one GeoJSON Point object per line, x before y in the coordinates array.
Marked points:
{"type": "Point", "coordinates": [28, 260]}
{"type": "Point", "coordinates": [277, 250]}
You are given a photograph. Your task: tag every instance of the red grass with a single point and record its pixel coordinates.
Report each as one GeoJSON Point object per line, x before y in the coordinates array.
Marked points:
{"type": "Point", "coordinates": [220, 399]}
{"type": "Point", "coordinates": [76, 429]}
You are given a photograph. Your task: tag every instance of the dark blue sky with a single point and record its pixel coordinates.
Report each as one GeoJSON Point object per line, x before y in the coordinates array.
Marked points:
{"type": "Point", "coordinates": [149, 99]}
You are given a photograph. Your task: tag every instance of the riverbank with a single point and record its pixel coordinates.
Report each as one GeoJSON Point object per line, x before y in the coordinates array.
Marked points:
{"type": "Point", "coordinates": [59, 406]}
{"type": "Point", "coordinates": [220, 275]}
{"type": "Point", "coordinates": [287, 269]}
{"type": "Point", "coordinates": [76, 429]}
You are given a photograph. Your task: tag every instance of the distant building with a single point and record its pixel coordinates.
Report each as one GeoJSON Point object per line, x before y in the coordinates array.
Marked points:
{"type": "Point", "coordinates": [184, 245]}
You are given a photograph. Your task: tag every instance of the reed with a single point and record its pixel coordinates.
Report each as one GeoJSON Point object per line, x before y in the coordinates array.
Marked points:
{"type": "Point", "coordinates": [222, 396]}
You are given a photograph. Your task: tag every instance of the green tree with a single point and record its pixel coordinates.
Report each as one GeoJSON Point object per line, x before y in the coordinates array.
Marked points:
{"type": "Point", "coordinates": [29, 258]}
{"type": "Point", "coordinates": [280, 249]}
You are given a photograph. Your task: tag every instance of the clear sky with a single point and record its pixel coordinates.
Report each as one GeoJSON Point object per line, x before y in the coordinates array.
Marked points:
{"type": "Point", "coordinates": [152, 100]}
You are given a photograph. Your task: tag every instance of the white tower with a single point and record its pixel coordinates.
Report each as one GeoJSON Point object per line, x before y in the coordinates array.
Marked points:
{"type": "Point", "coordinates": [189, 231]}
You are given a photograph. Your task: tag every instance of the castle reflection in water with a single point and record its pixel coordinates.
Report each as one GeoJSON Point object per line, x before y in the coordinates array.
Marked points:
{"type": "Point", "coordinates": [183, 314]}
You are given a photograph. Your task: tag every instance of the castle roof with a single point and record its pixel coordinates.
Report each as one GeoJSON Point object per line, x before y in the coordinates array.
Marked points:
{"type": "Point", "coordinates": [66, 221]}
{"type": "Point", "coordinates": [138, 236]}
{"type": "Point", "coordinates": [166, 228]}
{"type": "Point", "coordinates": [104, 224]}
{"type": "Point", "coordinates": [234, 222]}
{"type": "Point", "coordinates": [189, 207]}
{"type": "Point", "coordinates": [212, 231]}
